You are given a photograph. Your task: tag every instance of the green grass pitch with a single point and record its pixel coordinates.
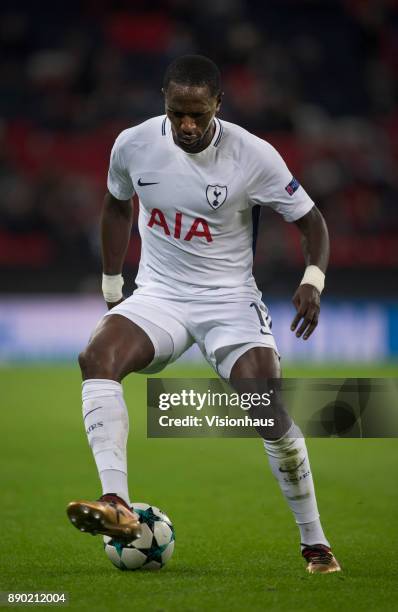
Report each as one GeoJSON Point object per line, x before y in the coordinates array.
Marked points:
{"type": "Point", "coordinates": [236, 543]}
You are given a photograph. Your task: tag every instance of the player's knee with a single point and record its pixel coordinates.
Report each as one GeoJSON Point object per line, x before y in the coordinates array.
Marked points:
{"type": "Point", "coordinates": [86, 361]}
{"type": "Point", "coordinates": [258, 364]}
{"type": "Point", "coordinates": [95, 363]}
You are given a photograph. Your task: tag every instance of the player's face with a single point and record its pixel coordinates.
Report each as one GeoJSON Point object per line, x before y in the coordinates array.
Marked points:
{"type": "Point", "coordinates": [191, 112]}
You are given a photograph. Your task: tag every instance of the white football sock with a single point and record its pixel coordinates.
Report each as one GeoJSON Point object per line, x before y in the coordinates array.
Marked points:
{"type": "Point", "coordinates": [290, 465]}
{"type": "Point", "coordinates": [107, 425]}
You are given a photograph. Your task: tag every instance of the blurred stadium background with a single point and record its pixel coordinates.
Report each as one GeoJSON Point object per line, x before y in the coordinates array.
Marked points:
{"type": "Point", "coordinates": [318, 79]}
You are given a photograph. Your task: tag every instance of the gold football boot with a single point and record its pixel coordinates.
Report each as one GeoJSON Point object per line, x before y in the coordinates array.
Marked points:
{"type": "Point", "coordinates": [320, 559]}
{"type": "Point", "coordinates": [109, 515]}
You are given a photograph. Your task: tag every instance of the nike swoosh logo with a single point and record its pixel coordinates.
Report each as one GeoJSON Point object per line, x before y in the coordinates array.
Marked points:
{"type": "Point", "coordinates": [141, 184]}
{"type": "Point", "coordinates": [293, 469]}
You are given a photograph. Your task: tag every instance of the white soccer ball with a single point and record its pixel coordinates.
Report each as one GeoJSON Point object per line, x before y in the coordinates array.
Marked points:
{"type": "Point", "coordinates": [152, 550]}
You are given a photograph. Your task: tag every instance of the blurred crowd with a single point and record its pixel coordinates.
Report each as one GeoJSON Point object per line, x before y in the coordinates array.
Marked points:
{"type": "Point", "coordinates": [317, 78]}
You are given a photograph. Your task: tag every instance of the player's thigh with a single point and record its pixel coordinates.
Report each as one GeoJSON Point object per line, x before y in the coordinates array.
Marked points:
{"type": "Point", "coordinates": [116, 347]}
{"type": "Point", "coordinates": [162, 320]}
{"type": "Point", "coordinates": [250, 368]}
{"type": "Point", "coordinates": [257, 373]}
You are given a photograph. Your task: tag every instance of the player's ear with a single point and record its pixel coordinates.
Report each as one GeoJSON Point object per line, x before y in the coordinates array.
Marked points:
{"type": "Point", "coordinates": [219, 100]}
{"type": "Point", "coordinates": [164, 97]}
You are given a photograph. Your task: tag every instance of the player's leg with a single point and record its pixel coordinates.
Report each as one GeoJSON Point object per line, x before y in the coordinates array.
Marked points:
{"type": "Point", "coordinates": [117, 346]}
{"type": "Point", "coordinates": [238, 342]}
{"type": "Point", "coordinates": [288, 457]}
{"type": "Point", "coordinates": [123, 342]}
{"type": "Point", "coordinates": [256, 369]}
{"type": "Point", "coordinates": [287, 453]}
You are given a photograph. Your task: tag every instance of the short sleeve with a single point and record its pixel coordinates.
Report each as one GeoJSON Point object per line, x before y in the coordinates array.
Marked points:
{"type": "Point", "coordinates": [119, 180]}
{"type": "Point", "coordinates": [270, 183]}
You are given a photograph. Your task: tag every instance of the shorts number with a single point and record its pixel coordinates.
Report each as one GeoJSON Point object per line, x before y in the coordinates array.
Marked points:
{"type": "Point", "coordinates": [261, 319]}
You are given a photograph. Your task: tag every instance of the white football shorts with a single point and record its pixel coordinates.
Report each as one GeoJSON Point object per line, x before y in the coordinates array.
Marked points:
{"type": "Point", "coordinates": [224, 330]}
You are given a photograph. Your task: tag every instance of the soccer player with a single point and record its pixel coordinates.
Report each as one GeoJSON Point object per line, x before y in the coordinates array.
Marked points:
{"type": "Point", "coordinates": [201, 183]}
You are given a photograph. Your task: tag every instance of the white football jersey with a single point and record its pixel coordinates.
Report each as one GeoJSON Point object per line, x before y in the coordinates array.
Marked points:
{"type": "Point", "coordinates": [198, 212]}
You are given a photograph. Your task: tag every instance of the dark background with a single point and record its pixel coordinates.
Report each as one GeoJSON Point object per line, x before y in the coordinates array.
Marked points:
{"type": "Point", "coordinates": [318, 79]}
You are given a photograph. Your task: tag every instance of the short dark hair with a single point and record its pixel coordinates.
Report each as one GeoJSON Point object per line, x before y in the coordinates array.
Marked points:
{"type": "Point", "coordinates": [196, 70]}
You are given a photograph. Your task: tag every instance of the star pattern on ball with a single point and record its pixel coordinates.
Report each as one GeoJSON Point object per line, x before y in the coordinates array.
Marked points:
{"type": "Point", "coordinates": [147, 516]}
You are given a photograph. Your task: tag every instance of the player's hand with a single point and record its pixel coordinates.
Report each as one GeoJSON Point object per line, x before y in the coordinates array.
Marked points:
{"type": "Point", "coordinates": [112, 304]}
{"type": "Point", "coordinates": [307, 301]}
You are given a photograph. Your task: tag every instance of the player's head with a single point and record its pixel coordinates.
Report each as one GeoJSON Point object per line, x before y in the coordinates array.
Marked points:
{"type": "Point", "coordinates": [192, 89]}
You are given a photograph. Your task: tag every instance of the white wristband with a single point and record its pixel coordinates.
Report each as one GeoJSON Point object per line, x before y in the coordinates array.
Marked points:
{"type": "Point", "coordinates": [315, 277]}
{"type": "Point", "coordinates": [112, 287]}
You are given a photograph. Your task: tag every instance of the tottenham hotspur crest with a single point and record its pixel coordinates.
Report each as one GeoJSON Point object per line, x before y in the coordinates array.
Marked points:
{"type": "Point", "coordinates": [216, 195]}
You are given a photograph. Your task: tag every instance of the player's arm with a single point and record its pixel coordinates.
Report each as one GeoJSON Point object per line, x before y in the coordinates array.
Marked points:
{"type": "Point", "coordinates": [116, 222]}
{"type": "Point", "coordinates": [315, 245]}
{"type": "Point", "coordinates": [270, 183]}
